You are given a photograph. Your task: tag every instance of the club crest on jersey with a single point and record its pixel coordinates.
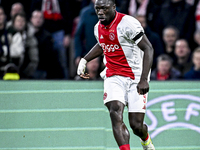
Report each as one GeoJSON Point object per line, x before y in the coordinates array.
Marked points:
{"type": "Point", "coordinates": [112, 36]}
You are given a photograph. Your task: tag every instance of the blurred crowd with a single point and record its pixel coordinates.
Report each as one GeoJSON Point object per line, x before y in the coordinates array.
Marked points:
{"type": "Point", "coordinates": [45, 39]}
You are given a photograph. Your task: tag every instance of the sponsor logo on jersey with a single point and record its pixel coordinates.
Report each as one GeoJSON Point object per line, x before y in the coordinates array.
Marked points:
{"type": "Point", "coordinates": [101, 37]}
{"type": "Point", "coordinates": [109, 48]}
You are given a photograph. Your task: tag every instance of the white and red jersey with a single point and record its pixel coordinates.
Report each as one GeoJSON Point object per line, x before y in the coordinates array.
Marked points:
{"type": "Point", "coordinates": [123, 56]}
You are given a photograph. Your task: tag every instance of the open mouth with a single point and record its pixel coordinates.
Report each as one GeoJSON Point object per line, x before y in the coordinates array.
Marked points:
{"type": "Point", "coordinates": [101, 19]}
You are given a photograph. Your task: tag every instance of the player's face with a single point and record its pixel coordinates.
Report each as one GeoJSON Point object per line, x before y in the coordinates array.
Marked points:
{"type": "Point", "coordinates": [105, 10]}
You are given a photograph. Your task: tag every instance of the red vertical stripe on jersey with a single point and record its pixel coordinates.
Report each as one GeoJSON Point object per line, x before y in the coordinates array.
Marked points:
{"type": "Point", "coordinates": [116, 60]}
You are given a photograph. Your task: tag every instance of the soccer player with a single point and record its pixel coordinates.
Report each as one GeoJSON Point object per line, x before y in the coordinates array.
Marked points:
{"type": "Point", "coordinates": [128, 59]}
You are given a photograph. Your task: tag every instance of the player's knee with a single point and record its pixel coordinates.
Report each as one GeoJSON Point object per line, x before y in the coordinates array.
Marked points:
{"type": "Point", "coordinates": [137, 128]}
{"type": "Point", "coordinates": [116, 112]}
{"type": "Point", "coordinates": [116, 116]}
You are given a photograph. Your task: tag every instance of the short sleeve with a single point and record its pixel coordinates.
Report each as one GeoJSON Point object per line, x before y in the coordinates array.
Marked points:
{"type": "Point", "coordinates": [132, 28]}
{"type": "Point", "coordinates": [96, 34]}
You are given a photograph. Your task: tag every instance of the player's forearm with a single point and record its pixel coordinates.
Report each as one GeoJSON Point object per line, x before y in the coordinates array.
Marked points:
{"type": "Point", "coordinates": [147, 63]}
{"type": "Point", "coordinates": [93, 53]}
{"type": "Point", "coordinates": [147, 48]}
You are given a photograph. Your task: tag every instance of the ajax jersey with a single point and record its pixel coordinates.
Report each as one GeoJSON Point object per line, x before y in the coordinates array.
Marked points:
{"type": "Point", "coordinates": [119, 43]}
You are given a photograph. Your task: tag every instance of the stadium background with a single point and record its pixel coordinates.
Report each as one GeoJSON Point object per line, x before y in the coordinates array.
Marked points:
{"type": "Point", "coordinates": [70, 115]}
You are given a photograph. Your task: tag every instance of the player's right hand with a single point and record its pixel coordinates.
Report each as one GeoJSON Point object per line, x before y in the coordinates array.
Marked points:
{"type": "Point", "coordinates": [143, 87]}
{"type": "Point", "coordinates": [81, 66]}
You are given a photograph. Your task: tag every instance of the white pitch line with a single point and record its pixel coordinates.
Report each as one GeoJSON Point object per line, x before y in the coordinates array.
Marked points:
{"type": "Point", "coordinates": [50, 91]}
{"type": "Point", "coordinates": [57, 148]}
{"type": "Point", "coordinates": [51, 129]}
{"type": "Point", "coordinates": [92, 90]}
{"type": "Point", "coordinates": [71, 110]}
{"type": "Point", "coordinates": [52, 110]}
{"type": "Point", "coordinates": [72, 129]}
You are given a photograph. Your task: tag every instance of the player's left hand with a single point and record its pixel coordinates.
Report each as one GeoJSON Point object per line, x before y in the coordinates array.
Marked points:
{"type": "Point", "coordinates": [143, 87]}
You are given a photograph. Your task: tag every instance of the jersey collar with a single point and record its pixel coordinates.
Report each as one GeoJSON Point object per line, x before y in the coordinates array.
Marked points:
{"type": "Point", "coordinates": [110, 25]}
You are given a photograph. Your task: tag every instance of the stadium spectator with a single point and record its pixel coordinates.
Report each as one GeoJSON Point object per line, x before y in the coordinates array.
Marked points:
{"type": "Point", "coordinates": [197, 15]}
{"type": "Point", "coordinates": [153, 38]}
{"type": "Point", "coordinates": [148, 8]}
{"type": "Point", "coordinates": [194, 73]}
{"type": "Point", "coordinates": [179, 14]}
{"type": "Point", "coordinates": [170, 35]}
{"type": "Point", "coordinates": [84, 36]}
{"type": "Point", "coordinates": [46, 68]}
{"type": "Point", "coordinates": [7, 5]}
{"type": "Point", "coordinates": [183, 58]}
{"type": "Point", "coordinates": [16, 8]}
{"type": "Point", "coordinates": [4, 44]}
{"type": "Point", "coordinates": [23, 46]}
{"type": "Point", "coordinates": [58, 21]}
{"type": "Point", "coordinates": [165, 70]}
{"type": "Point", "coordinates": [197, 38]}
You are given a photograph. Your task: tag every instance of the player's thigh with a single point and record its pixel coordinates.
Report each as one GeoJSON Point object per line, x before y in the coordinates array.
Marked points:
{"type": "Point", "coordinates": [114, 90]}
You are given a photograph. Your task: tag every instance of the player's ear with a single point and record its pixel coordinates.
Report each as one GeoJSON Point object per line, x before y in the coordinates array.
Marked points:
{"type": "Point", "coordinates": [114, 7]}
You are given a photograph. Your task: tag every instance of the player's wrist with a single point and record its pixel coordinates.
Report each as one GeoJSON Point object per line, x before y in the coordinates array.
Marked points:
{"type": "Point", "coordinates": [143, 79]}
{"type": "Point", "coordinates": [83, 61]}
{"type": "Point", "coordinates": [81, 66]}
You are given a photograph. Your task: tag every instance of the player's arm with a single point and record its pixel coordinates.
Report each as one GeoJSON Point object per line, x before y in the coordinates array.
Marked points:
{"type": "Point", "coordinates": [146, 47]}
{"type": "Point", "coordinates": [96, 51]}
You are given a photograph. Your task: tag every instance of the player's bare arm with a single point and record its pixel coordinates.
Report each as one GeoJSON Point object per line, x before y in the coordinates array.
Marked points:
{"type": "Point", "coordinates": [96, 51]}
{"type": "Point", "coordinates": [146, 47]}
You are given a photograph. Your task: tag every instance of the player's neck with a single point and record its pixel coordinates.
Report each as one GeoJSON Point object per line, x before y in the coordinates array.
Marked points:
{"type": "Point", "coordinates": [109, 22]}
{"type": "Point", "coordinates": [113, 17]}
